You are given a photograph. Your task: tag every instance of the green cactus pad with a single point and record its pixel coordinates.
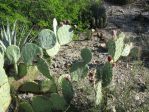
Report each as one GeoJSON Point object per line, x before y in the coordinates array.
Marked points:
{"type": "Point", "coordinates": [30, 87]}
{"type": "Point", "coordinates": [41, 104]}
{"type": "Point", "coordinates": [57, 102]}
{"type": "Point", "coordinates": [115, 47]}
{"type": "Point", "coordinates": [22, 70]}
{"type": "Point", "coordinates": [47, 39]}
{"type": "Point", "coordinates": [67, 90]}
{"type": "Point", "coordinates": [60, 79]}
{"type": "Point", "coordinates": [53, 51]}
{"type": "Point", "coordinates": [43, 67]}
{"type": "Point", "coordinates": [65, 34]}
{"type": "Point", "coordinates": [107, 74]}
{"type": "Point", "coordinates": [47, 86]}
{"type": "Point", "coordinates": [13, 53]}
{"type": "Point", "coordinates": [25, 107]}
{"type": "Point", "coordinates": [30, 53]}
{"type": "Point", "coordinates": [98, 90]}
{"type": "Point", "coordinates": [1, 60]}
{"type": "Point", "coordinates": [78, 70]}
{"type": "Point", "coordinates": [86, 55]}
{"type": "Point", "coordinates": [126, 50]}
{"type": "Point", "coordinates": [5, 97]}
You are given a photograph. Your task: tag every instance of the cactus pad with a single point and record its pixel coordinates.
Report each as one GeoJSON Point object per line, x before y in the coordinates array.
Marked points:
{"type": "Point", "coordinates": [53, 51]}
{"type": "Point", "coordinates": [115, 46]}
{"type": "Point", "coordinates": [57, 102]}
{"type": "Point", "coordinates": [107, 74]}
{"type": "Point", "coordinates": [67, 90]}
{"type": "Point", "coordinates": [47, 39]}
{"type": "Point", "coordinates": [41, 104]}
{"type": "Point", "coordinates": [86, 55]}
{"type": "Point", "coordinates": [78, 70]}
{"type": "Point", "coordinates": [30, 52]}
{"type": "Point", "coordinates": [13, 53]}
{"type": "Point", "coordinates": [43, 67]}
{"type": "Point", "coordinates": [98, 90]}
{"type": "Point", "coordinates": [25, 107]}
{"type": "Point", "coordinates": [5, 98]}
{"type": "Point", "coordinates": [65, 34]}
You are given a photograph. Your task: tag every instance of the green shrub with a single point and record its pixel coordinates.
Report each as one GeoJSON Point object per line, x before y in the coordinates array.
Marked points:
{"type": "Point", "coordinates": [40, 13]}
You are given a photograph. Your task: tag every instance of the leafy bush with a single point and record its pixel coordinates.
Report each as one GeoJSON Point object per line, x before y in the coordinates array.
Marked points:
{"type": "Point", "coordinates": [40, 13]}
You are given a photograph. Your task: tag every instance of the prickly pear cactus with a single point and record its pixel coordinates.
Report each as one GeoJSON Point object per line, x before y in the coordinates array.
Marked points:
{"type": "Point", "coordinates": [41, 104]}
{"type": "Point", "coordinates": [5, 97]}
{"type": "Point", "coordinates": [30, 53]}
{"type": "Point", "coordinates": [78, 70]}
{"type": "Point", "coordinates": [40, 86]}
{"type": "Point", "coordinates": [127, 49]}
{"type": "Point", "coordinates": [86, 55]}
{"type": "Point", "coordinates": [47, 39]}
{"type": "Point", "coordinates": [22, 70]}
{"type": "Point", "coordinates": [53, 51]}
{"type": "Point", "coordinates": [116, 46]}
{"type": "Point", "coordinates": [43, 67]}
{"type": "Point", "coordinates": [25, 107]}
{"type": "Point", "coordinates": [1, 60]}
{"type": "Point", "coordinates": [13, 53]}
{"type": "Point", "coordinates": [65, 34]}
{"type": "Point", "coordinates": [58, 102]}
{"type": "Point", "coordinates": [67, 90]}
{"type": "Point", "coordinates": [31, 87]}
{"type": "Point", "coordinates": [98, 89]}
{"type": "Point", "coordinates": [107, 73]}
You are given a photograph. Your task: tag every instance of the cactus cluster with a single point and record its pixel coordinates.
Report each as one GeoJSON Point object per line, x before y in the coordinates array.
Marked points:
{"type": "Point", "coordinates": [28, 62]}
{"type": "Point", "coordinates": [117, 46]}
{"type": "Point", "coordinates": [52, 40]}
{"type": "Point", "coordinates": [95, 15]}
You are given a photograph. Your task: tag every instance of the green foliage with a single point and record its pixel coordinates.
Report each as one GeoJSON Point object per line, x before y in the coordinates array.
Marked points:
{"type": "Point", "coordinates": [38, 13]}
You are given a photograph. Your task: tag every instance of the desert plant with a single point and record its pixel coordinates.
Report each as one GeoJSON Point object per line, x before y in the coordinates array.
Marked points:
{"type": "Point", "coordinates": [5, 97]}
{"type": "Point", "coordinates": [94, 15]}
{"type": "Point", "coordinates": [51, 40]}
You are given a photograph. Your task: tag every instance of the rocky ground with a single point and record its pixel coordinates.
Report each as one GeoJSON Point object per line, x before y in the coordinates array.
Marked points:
{"type": "Point", "coordinates": [131, 77]}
